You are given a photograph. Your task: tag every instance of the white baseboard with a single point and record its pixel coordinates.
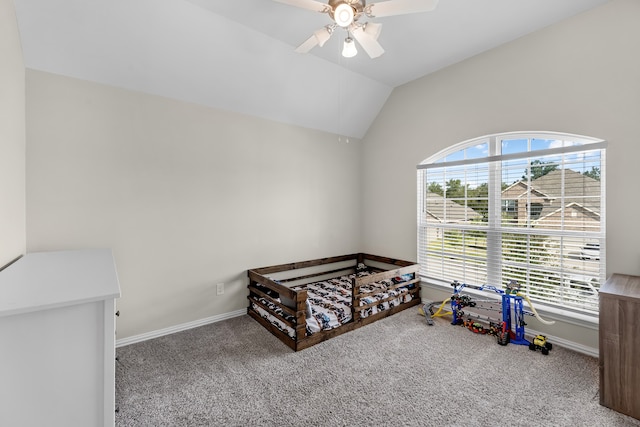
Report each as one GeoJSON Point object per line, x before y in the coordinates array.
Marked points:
{"type": "Point", "coordinates": [561, 342]}
{"type": "Point", "coordinates": [178, 328]}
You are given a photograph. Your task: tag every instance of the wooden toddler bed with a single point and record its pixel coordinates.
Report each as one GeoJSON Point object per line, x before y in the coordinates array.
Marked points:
{"type": "Point", "coordinates": [304, 303]}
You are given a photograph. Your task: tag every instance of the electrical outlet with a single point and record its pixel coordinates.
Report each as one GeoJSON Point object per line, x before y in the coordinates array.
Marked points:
{"type": "Point", "coordinates": [220, 289]}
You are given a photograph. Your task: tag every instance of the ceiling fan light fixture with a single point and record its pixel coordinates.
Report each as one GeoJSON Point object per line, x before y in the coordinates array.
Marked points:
{"type": "Point", "coordinates": [343, 15]}
{"type": "Point", "coordinates": [349, 48]}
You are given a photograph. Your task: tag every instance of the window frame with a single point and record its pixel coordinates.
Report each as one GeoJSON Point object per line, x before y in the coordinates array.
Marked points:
{"type": "Point", "coordinates": [494, 160]}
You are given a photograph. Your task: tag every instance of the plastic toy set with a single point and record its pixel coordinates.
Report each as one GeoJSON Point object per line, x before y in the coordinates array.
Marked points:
{"type": "Point", "coordinates": [507, 327]}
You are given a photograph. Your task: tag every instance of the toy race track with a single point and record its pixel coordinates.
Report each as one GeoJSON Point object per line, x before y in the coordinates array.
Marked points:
{"type": "Point", "coordinates": [469, 311]}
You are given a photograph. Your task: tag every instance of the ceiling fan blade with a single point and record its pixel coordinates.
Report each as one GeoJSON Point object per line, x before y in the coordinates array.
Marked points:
{"type": "Point", "coordinates": [319, 37]}
{"type": "Point", "coordinates": [399, 7]}
{"type": "Point", "coordinates": [368, 42]}
{"type": "Point", "coordinates": [312, 5]}
{"type": "Point", "coordinates": [309, 44]}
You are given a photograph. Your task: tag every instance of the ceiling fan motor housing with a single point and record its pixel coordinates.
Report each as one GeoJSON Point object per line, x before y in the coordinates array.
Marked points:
{"type": "Point", "coordinates": [343, 16]}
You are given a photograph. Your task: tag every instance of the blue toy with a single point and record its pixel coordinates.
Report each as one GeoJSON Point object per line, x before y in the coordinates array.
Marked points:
{"type": "Point", "coordinates": [510, 329]}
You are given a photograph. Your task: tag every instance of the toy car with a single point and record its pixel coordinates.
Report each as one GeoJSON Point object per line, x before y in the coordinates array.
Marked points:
{"type": "Point", "coordinates": [540, 342]}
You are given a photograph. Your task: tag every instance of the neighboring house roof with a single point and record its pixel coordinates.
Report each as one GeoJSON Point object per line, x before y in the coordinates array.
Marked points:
{"type": "Point", "coordinates": [581, 192]}
{"type": "Point", "coordinates": [575, 184]}
{"type": "Point", "coordinates": [518, 190]}
{"type": "Point", "coordinates": [436, 205]}
{"type": "Point", "coordinates": [570, 206]}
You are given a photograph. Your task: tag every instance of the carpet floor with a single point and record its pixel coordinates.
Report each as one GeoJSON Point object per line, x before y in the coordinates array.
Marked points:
{"type": "Point", "coordinates": [394, 372]}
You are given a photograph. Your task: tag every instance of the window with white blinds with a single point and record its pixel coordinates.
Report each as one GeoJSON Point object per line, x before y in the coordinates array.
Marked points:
{"type": "Point", "coordinates": [518, 206]}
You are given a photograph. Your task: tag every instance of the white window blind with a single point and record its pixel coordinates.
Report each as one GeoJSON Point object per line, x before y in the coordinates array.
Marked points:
{"type": "Point", "coordinates": [519, 206]}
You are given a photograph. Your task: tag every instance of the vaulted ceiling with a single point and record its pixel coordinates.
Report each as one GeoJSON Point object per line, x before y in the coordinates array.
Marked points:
{"type": "Point", "coordinates": [238, 55]}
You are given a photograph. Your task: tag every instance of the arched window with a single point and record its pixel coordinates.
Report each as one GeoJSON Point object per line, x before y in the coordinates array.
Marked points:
{"type": "Point", "coordinates": [524, 206]}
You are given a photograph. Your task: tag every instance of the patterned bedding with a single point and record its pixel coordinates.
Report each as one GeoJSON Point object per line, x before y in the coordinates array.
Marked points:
{"type": "Point", "coordinates": [329, 302]}
{"type": "Point", "coordinates": [274, 320]}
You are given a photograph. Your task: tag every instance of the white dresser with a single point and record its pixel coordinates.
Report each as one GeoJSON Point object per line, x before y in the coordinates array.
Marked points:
{"type": "Point", "coordinates": [57, 339]}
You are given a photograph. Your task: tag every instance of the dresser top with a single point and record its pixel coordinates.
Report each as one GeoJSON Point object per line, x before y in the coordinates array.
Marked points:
{"type": "Point", "coordinates": [45, 280]}
{"type": "Point", "coordinates": [622, 285]}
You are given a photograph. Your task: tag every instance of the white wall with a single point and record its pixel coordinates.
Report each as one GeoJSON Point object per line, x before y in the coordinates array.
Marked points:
{"type": "Point", "coordinates": [187, 196]}
{"type": "Point", "coordinates": [579, 76]}
{"type": "Point", "coordinates": [12, 137]}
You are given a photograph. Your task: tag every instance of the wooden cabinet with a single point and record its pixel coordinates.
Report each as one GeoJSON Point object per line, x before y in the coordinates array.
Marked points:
{"type": "Point", "coordinates": [57, 339]}
{"type": "Point", "coordinates": [620, 344]}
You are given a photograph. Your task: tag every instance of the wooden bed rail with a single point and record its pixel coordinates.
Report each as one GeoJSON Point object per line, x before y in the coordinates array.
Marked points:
{"type": "Point", "coordinates": [333, 272]}
{"type": "Point", "coordinates": [253, 290]}
{"type": "Point", "coordinates": [382, 301]}
{"type": "Point", "coordinates": [293, 302]}
{"type": "Point", "coordinates": [362, 257]}
{"type": "Point", "coordinates": [358, 282]}
{"type": "Point", "coordinates": [385, 275]}
{"type": "Point", "coordinates": [304, 264]}
{"type": "Point", "coordinates": [256, 277]}
{"type": "Point", "coordinates": [299, 298]}
{"type": "Point", "coordinates": [356, 258]}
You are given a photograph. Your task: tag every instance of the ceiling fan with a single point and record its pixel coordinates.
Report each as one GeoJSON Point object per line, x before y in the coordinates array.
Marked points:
{"type": "Point", "coordinates": [346, 14]}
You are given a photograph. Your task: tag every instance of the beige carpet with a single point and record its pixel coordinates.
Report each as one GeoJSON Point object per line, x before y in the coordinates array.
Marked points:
{"type": "Point", "coordinates": [395, 372]}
